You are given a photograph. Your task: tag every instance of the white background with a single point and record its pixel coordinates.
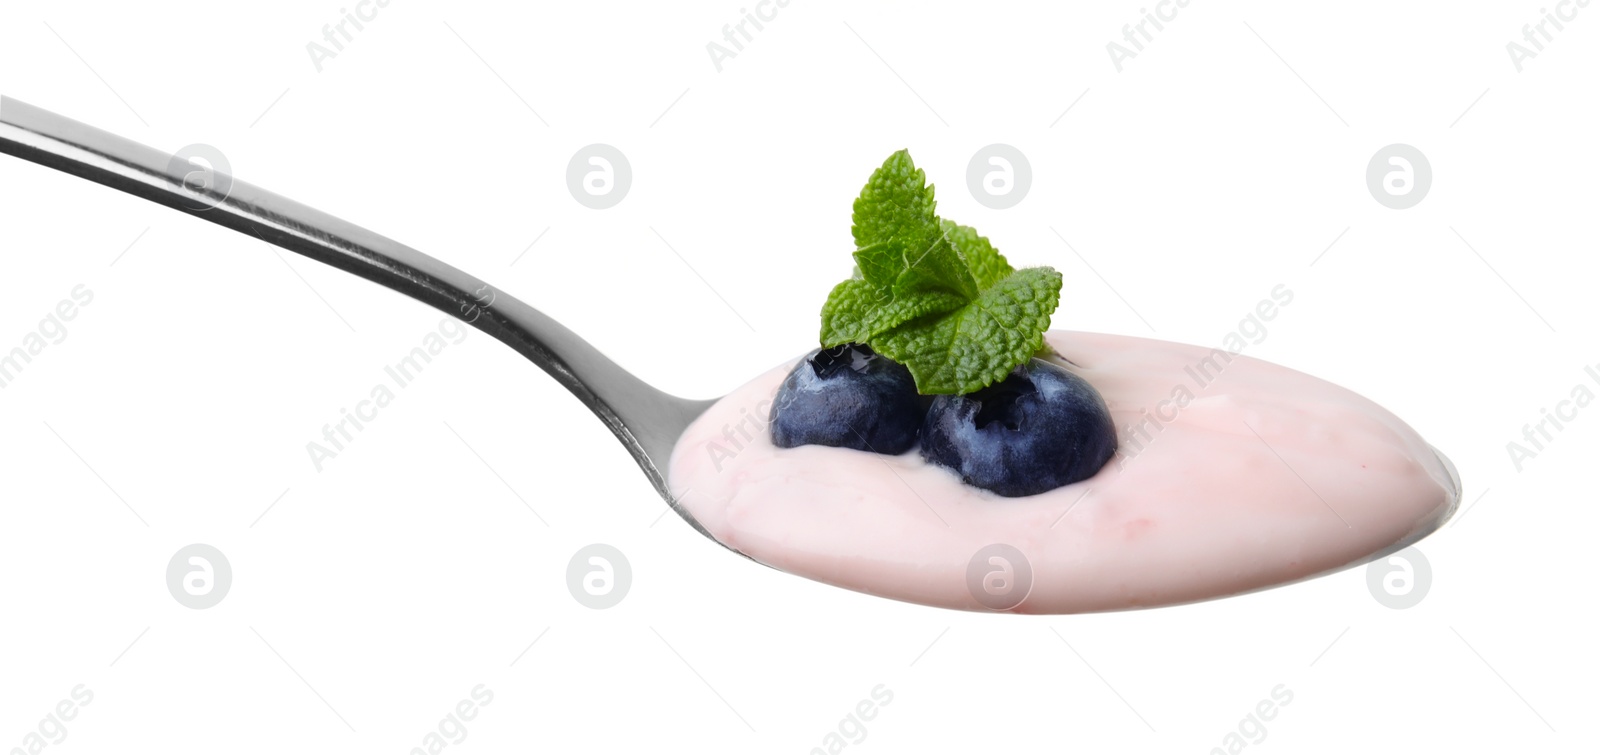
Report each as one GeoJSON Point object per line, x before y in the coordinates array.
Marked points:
{"type": "Point", "coordinates": [373, 595]}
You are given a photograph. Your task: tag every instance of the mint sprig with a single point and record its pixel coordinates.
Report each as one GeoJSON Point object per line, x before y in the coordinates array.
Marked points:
{"type": "Point", "coordinates": [934, 295]}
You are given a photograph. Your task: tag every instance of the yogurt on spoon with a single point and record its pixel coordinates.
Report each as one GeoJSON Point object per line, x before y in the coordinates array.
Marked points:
{"type": "Point", "coordinates": [942, 447]}
{"type": "Point", "coordinates": [1269, 476]}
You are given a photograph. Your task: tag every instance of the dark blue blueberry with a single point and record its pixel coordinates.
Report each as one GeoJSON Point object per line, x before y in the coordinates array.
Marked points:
{"type": "Point", "coordinates": [1040, 428]}
{"type": "Point", "coordinates": [849, 397]}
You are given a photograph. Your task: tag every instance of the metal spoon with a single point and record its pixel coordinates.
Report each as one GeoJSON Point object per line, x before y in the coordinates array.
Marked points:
{"type": "Point", "coordinates": [646, 420]}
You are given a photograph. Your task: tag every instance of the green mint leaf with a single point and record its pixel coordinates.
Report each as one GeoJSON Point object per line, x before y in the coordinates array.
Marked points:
{"type": "Point", "coordinates": [845, 313]}
{"type": "Point", "coordinates": [986, 264]}
{"type": "Point", "coordinates": [936, 269]}
{"type": "Point", "coordinates": [880, 263]}
{"type": "Point", "coordinates": [901, 270]}
{"type": "Point", "coordinates": [856, 311]}
{"type": "Point", "coordinates": [933, 294]}
{"type": "Point", "coordinates": [976, 345]}
{"type": "Point", "coordinates": [895, 205]}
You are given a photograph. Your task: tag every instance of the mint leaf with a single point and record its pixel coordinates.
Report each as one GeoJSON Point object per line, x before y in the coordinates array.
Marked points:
{"type": "Point", "coordinates": [856, 311]}
{"type": "Point", "coordinates": [933, 294]}
{"type": "Point", "coordinates": [985, 262]}
{"type": "Point", "coordinates": [880, 263]}
{"type": "Point", "coordinates": [912, 264]}
{"type": "Point", "coordinates": [895, 205]}
{"type": "Point", "coordinates": [968, 348]}
{"type": "Point", "coordinates": [936, 269]}
{"type": "Point", "coordinates": [845, 313]}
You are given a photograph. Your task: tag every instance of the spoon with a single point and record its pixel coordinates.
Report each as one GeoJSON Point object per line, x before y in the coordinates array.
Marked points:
{"type": "Point", "coordinates": [646, 420]}
{"type": "Point", "coordinates": [1170, 529]}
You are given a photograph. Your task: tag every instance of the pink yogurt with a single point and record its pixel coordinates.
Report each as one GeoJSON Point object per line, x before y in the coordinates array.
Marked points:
{"type": "Point", "coordinates": [1232, 475]}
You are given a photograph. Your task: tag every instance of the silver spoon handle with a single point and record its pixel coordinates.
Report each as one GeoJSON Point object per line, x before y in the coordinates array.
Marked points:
{"type": "Point", "coordinates": [646, 420]}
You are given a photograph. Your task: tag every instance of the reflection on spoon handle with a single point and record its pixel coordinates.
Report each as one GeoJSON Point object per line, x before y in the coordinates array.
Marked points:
{"type": "Point", "coordinates": [646, 420]}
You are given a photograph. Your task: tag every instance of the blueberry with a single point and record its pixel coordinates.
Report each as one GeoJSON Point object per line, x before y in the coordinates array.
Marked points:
{"type": "Point", "coordinates": [1040, 428]}
{"type": "Point", "coordinates": [850, 397]}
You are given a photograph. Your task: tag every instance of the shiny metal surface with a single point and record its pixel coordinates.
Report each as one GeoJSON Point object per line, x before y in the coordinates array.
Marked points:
{"type": "Point", "coordinates": [646, 420]}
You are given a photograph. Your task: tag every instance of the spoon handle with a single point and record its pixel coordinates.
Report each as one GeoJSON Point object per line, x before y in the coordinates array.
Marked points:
{"type": "Point", "coordinates": [646, 420]}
